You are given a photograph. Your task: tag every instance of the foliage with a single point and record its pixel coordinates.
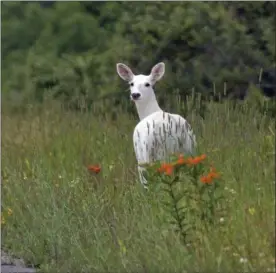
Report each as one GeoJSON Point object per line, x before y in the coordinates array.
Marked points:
{"type": "Point", "coordinates": [69, 50]}
{"type": "Point", "coordinates": [194, 194]}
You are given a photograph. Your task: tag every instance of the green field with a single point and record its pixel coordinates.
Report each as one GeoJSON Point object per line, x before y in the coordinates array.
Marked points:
{"type": "Point", "coordinates": [59, 216]}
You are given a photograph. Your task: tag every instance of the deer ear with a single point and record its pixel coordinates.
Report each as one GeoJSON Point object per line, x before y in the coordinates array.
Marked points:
{"type": "Point", "coordinates": [124, 72]}
{"type": "Point", "coordinates": [157, 72]}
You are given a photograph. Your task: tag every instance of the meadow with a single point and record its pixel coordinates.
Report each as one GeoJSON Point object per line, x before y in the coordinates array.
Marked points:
{"type": "Point", "coordinates": [62, 218]}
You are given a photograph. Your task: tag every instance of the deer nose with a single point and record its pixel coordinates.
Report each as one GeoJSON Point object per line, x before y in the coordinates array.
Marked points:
{"type": "Point", "coordinates": [135, 96]}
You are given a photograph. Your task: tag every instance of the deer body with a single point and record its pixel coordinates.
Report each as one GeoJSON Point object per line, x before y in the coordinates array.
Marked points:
{"type": "Point", "coordinates": [158, 134]}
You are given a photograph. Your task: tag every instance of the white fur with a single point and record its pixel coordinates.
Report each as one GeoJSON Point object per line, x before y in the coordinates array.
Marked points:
{"type": "Point", "coordinates": [158, 134]}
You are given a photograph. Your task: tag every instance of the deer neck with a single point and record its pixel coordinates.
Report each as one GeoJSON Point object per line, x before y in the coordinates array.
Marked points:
{"type": "Point", "coordinates": [147, 108]}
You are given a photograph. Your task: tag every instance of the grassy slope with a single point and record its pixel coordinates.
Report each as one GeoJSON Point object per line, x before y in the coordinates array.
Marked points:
{"type": "Point", "coordinates": [67, 219]}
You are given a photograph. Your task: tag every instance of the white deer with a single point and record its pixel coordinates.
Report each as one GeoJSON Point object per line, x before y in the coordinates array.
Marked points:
{"type": "Point", "coordinates": [158, 134]}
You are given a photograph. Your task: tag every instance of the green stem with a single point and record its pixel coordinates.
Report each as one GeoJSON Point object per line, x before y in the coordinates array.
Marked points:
{"type": "Point", "coordinates": [177, 214]}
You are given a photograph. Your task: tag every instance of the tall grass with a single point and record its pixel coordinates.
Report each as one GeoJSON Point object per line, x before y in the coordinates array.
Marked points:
{"type": "Point", "coordinates": [59, 216]}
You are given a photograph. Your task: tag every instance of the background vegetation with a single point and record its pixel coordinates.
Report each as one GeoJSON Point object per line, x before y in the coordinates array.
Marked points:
{"type": "Point", "coordinates": [69, 50]}
{"type": "Point", "coordinates": [64, 108]}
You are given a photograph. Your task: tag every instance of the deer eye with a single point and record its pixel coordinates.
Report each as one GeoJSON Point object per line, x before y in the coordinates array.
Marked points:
{"type": "Point", "coordinates": [147, 84]}
{"type": "Point", "coordinates": [131, 84]}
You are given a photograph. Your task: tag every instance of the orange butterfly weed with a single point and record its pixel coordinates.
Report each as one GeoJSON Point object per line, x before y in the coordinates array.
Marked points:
{"type": "Point", "coordinates": [94, 168]}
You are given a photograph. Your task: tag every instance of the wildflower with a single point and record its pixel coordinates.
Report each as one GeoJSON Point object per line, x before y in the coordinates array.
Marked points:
{"type": "Point", "coordinates": [10, 211]}
{"type": "Point", "coordinates": [166, 168]}
{"type": "Point", "coordinates": [180, 160]}
{"type": "Point", "coordinates": [196, 160]}
{"type": "Point", "coordinates": [213, 174]}
{"type": "Point", "coordinates": [169, 170]}
{"type": "Point", "coordinates": [94, 168]}
{"type": "Point", "coordinates": [3, 220]}
{"type": "Point", "coordinates": [230, 190]}
{"type": "Point", "coordinates": [243, 260]}
{"type": "Point", "coordinates": [207, 179]}
{"type": "Point", "coordinates": [251, 211]}
{"type": "Point", "coordinates": [191, 161]}
{"type": "Point", "coordinates": [25, 176]}
{"type": "Point", "coordinates": [202, 157]}
{"type": "Point", "coordinates": [122, 246]}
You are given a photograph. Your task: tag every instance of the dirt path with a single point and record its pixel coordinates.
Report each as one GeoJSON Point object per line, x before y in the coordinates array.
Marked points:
{"type": "Point", "coordinates": [13, 265]}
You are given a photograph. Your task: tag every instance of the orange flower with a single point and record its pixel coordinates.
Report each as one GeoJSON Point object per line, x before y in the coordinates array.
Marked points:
{"type": "Point", "coordinates": [202, 157]}
{"type": "Point", "coordinates": [192, 161]}
{"type": "Point", "coordinates": [207, 179]}
{"type": "Point", "coordinates": [189, 161]}
{"type": "Point", "coordinates": [166, 168]}
{"type": "Point", "coordinates": [196, 160]}
{"type": "Point", "coordinates": [180, 160]}
{"type": "Point", "coordinates": [94, 168]}
{"type": "Point", "coordinates": [213, 174]}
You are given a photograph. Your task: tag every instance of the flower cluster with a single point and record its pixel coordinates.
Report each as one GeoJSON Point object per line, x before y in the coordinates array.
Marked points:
{"type": "Point", "coordinates": [207, 179]}
{"type": "Point", "coordinates": [196, 200]}
{"type": "Point", "coordinates": [168, 168]}
{"type": "Point", "coordinates": [190, 161]}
